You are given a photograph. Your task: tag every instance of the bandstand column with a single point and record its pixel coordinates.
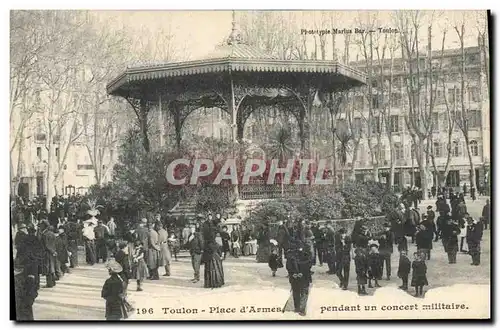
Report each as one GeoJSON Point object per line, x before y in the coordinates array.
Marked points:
{"type": "Point", "coordinates": [233, 108]}
{"type": "Point", "coordinates": [176, 113]}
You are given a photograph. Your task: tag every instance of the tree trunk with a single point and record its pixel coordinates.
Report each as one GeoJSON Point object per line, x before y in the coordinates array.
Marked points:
{"type": "Point", "coordinates": [352, 174]}
{"type": "Point", "coordinates": [393, 163]}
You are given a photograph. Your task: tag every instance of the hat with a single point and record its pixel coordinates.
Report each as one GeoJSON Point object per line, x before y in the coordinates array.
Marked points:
{"type": "Point", "coordinates": [372, 243]}
{"type": "Point", "coordinates": [199, 215]}
{"type": "Point", "coordinates": [429, 207]}
{"type": "Point", "coordinates": [114, 266]}
{"type": "Point", "coordinates": [45, 222]}
{"type": "Point", "coordinates": [21, 226]}
{"type": "Point", "coordinates": [386, 224]}
{"type": "Point", "coordinates": [144, 220]}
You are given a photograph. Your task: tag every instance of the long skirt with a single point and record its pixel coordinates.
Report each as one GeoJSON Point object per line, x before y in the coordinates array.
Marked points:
{"type": "Point", "coordinates": [165, 255]}
{"type": "Point", "coordinates": [419, 280]}
{"type": "Point", "coordinates": [49, 264]}
{"type": "Point", "coordinates": [153, 258]}
{"type": "Point", "coordinates": [214, 272]}
{"type": "Point", "coordinates": [263, 253]}
{"type": "Point", "coordinates": [140, 271]}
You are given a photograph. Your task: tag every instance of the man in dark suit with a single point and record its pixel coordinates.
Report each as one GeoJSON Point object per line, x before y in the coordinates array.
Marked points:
{"type": "Point", "coordinates": [101, 234]}
{"type": "Point", "coordinates": [329, 255]}
{"type": "Point", "coordinates": [386, 241]}
{"type": "Point", "coordinates": [48, 239]}
{"type": "Point", "coordinates": [71, 228]}
{"type": "Point", "coordinates": [25, 290]}
{"type": "Point", "coordinates": [474, 236]}
{"type": "Point", "coordinates": [195, 243]}
{"type": "Point", "coordinates": [298, 265]}
{"type": "Point", "coordinates": [343, 255]}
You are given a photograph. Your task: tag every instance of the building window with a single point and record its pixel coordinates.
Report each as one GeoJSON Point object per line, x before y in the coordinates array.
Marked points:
{"type": "Point", "coordinates": [412, 151]}
{"type": "Point", "coordinates": [455, 149]}
{"type": "Point", "coordinates": [111, 154]}
{"type": "Point", "coordinates": [86, 167]}
{"type": "Point", "coordinates": [474, 94]}
{"type": "Point", "coordinates": [396, 100]}
{"type": "Point", "coordinates": [435, 121]}
{"type": "Point", "coordinates": [376, 102]}
{"type": "Point", "coordinates": [359, 101]}
{"type": "Point", "coordinates": [358, 126]}
{"type": "Point", "coordinates": [474, 148]}
{"type": "Point", "coordinates": [472, 59]}
{"type": "Point", "coordinates": [439, 96]}
{"type": "Point", "coordinates": [57, 154]}
{"type": "Point", "coordinates": [398, 151]}
{"type": "Point", "coordinates": [437, 149]}
{"type": "Point", "coordinates": [375, 125]}
{"type": "Point", "coordinates": [39, 153]}
{"type": "Point", "coordinates": [475, 119]}
{"type": "Point", "coordinates": [394, 124]}
{"type": "Point", "coordinates": [451, 96]}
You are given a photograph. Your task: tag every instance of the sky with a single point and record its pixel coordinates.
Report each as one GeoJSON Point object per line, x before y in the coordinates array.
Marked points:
{"type": "Point", "coordinates": [200, 31]}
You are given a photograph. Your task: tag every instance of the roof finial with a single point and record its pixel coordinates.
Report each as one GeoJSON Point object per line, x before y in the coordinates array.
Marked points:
{"type": "Point", "coordinates": [234, 37]}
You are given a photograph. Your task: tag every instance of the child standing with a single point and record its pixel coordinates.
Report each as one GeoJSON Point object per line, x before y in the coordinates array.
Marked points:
{"type": "Point", "coordinates": [361, 264]}
{"type": "Point", "coordinates": [404, 269]}
{"type": "Point", "coordinates": [275, 261]}
{"type": "Point", "coordinates": [419, 276]}
{"type": "Point", "coordinates": [140, 267]}
{"type": "Point", "coordinates": [374, 266]}
{"type": "Point", "coordinates": [174, 245]}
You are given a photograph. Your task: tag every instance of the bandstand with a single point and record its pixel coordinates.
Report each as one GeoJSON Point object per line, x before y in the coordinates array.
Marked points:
{"type": "Point", "coordinates": [238, 79]}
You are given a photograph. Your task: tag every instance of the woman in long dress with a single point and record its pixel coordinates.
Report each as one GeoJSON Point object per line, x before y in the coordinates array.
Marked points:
{"type": "Point", "coordinates": [263, 245]}
{"type": "Point", "coordinates": [214, 271]}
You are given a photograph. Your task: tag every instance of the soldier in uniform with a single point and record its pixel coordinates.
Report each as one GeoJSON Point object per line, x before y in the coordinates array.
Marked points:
{"type": "Point", "coordinates": [343, 253]}
{"type": "Point", "coordinates": [153, 257]}
{"type": "Point", "coordinates": [298, 265]}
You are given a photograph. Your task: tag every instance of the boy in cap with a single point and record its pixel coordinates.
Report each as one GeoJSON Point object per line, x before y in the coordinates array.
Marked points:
{"type": "Point", "coordinates": [404, 269]}
{"type": "Point", "coordinates": [374, 265]}
{"type": "Point", "coordinates": [361, 264]}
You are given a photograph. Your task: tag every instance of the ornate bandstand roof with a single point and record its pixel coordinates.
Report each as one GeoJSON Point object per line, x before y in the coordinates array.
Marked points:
{"type": "Point", "coordinates": [233, 56]}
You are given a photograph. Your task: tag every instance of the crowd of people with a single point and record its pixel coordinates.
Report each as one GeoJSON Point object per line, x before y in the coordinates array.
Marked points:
{"type": "Point", "coordinates": [303, 244]}
{"type": "Point", "coordinates": [50, 249]}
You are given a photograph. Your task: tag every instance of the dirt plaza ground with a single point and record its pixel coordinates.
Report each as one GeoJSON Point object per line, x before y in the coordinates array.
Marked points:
{"type": "Point", "coordinates": [78, 295]}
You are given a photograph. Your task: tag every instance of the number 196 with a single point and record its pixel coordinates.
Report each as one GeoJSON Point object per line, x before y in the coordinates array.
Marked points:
{"type": "Point", "coordinates": [142, 311]}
